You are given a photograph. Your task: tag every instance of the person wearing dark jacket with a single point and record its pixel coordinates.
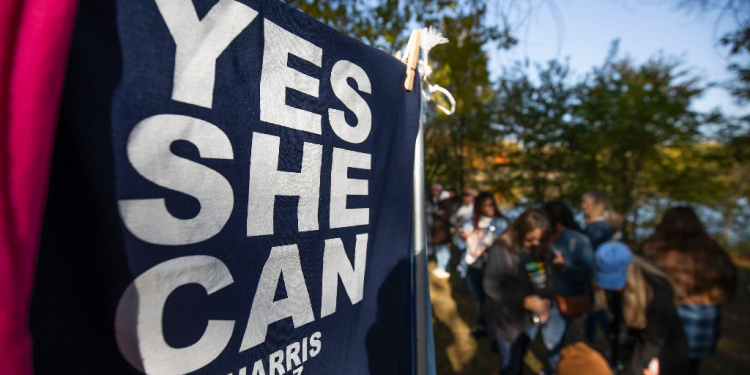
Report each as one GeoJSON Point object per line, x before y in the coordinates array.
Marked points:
{"type": "Point", "coordinates": [438, 210]}
{"type": "Point", "coordinates": [519, 293]}
{"type": "Point", "coordinates": [646, 333]}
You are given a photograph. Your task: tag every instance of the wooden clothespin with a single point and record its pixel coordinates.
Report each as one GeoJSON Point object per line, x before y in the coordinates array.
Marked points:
{"type": "Point", "coordinates": [411, 57]}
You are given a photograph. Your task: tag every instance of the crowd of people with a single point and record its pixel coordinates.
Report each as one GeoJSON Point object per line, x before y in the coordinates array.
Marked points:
{"type": "Point", "coordinates": [659, 308]}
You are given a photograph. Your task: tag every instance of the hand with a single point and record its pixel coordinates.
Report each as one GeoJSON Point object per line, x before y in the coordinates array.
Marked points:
{"type": "Point", "coordinates": [536, 304]}
{"type": "Point", "coordinates": [464, 234]}
{"type": "Point", "coordinates": [543, 316]}
{"type": "Point", "coordinates": [559, 260]}
{"type": "Point", "coordinates": [653, 368]}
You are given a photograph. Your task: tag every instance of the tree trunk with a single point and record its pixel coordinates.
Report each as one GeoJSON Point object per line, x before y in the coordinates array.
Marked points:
{"type": "Point", "coordinates": [628, 179]}
{"type": "Point", "coordinates": [461, 171]}
{"type": "Point", "coordinates": [626, 200]}
{"type": "Point", "coordinates": [728, 220]}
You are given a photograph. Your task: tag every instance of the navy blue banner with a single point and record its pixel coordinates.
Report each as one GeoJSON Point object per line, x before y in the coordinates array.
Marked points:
{"type": "Point", "coordinates": [263, 170]}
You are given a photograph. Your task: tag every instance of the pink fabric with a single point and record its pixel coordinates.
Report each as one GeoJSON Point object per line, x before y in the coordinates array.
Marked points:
{"type": "Point", "coordinates": [34, 42]}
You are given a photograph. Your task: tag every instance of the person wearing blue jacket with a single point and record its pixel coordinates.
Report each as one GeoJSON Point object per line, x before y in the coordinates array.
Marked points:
{"type": "Point", "coordinates": [603, 224]}
{"type": "Point", "coordinates": [574, 278]}
{"type": "Point", "coordinates": [574, 261]}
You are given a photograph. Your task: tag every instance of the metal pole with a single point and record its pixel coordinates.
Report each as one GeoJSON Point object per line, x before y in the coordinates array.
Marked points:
{"type": "Point", "coordinates": [423, 315]}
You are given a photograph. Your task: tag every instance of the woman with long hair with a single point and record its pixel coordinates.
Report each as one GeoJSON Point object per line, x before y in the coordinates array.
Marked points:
{"type": "Point", "coordinates": [519, 296]}
{"type": "Point", "coordinates": [603, 223]}
{"type": "Point", "coordinates": [646, 333]}
{"type": "Point", "coordinates": [701, 270]}
{"type": "Point", "coordinates": [478, 235]}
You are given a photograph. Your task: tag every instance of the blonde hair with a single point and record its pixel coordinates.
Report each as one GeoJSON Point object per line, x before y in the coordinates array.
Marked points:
{"type": "Point", "coordinates": [603, 208]}
{"type": "Point", "coordinates": [637, 293]}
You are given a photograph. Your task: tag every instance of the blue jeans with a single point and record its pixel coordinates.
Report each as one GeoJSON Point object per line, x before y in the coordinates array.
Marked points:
{"type": "Point", "coordinates": [462, 267]}
{"type": "Point", "coordinates": [473, 279]}
{"type": "Point", "coordinates": [443, 256]}
{"type": "Point", "coordinates": [602, 318]}
{"type": "Point", "coordinates": [553, 333]}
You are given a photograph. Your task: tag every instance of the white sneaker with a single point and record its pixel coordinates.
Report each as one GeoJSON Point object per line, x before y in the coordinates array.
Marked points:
{"type": "Point", "coordinates": [440, 273]}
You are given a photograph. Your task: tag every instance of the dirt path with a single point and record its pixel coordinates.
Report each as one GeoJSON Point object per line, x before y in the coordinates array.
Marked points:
{"type": "Point", "coordinates": [458, 353]}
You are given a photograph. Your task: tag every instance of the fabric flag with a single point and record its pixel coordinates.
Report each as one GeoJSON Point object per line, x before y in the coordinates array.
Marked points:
{"type": "Point", "coordinates": [34, 40]}
{"type": "Point", "coordinates": [230, 193]}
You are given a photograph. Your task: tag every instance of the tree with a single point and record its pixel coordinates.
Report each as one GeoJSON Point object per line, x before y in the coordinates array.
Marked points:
{"type": "Point", "coordinates": [738, 41]}
{"type": "Point", "coordinates": [450, 142]}
{"type": "Point", "coordinates": [733, 159]}
{"type": "Point", "coordinates": [630, 111]}
{"type": "Point", "coordinates": [536, 113]}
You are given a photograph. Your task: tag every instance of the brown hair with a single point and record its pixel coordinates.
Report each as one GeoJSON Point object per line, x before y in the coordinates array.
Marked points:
{"type": "Point", "coordinates": [696, 262]}
{"type": "Point", "coordinates": [531, 219]}
{"type": "Point", "coordinates": [604, 208]}
{"type": "Point", "coordinates": [637, 293]}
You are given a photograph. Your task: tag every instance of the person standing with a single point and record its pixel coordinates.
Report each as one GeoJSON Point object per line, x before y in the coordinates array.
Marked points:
{"type": "Point", "coordinates": [455, 200]}
{"type": "Point", "coordinates": [437, 214]}
{"type": "Point", "coordinates": [573, 278]}
{"type": "Point", "coordinates": [465, 211]}
{"type": "Point", "coordinates": [463, 214]}
{"type": "Point", "coordinates": [603, 224]}
{"type": "Point", "coordinates": [573, 265]}
{"type": "Point", "coordinates": [701, 269]}
{"type": "Point", "coordinates": [477, 235]}
{"type": "Point", "coordinates": [646, 333]}
{"type": "Point", "coordinates": [519, 295]}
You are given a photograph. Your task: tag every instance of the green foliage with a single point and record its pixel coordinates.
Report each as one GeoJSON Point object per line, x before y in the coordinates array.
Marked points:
{"type": "Point", "coordinates": [386, 24]}
{"type": "Point", "coordinates": [629, 112]}
{"type": "Point", "coordinates": [738, 41]}
{"type": "Point", "coordinates": [537, 115]}
{"type": "Point", "coordinates": [451, 142]}
{"type": "Point", "coordinates": [537, 134]}
{"type": "Point", "coordinates": [625, 129]}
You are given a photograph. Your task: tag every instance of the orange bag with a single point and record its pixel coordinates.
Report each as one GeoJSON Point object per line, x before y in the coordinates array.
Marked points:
{"type": "Point", "coordinates": [573, 306]}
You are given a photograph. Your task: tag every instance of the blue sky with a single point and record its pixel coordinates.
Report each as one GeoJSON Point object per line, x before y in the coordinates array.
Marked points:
{"type": "Point", "coordinates": [586, 28]}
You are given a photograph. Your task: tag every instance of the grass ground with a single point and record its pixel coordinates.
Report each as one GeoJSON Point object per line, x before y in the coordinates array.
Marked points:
{"type": "Point", "coordinates": [458, 353]}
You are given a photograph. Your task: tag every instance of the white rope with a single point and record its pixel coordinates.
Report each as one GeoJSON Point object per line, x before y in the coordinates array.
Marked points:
{"type": "Point", "coordinates": [430, 37]}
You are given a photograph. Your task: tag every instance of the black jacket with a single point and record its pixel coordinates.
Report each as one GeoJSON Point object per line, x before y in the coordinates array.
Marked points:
{"type": "Point", "coordinates": [662, 338]}
{"type": "Point", "coordinates": [507, 282]}
{"type": "Point", "coordinates": [437, 215]}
